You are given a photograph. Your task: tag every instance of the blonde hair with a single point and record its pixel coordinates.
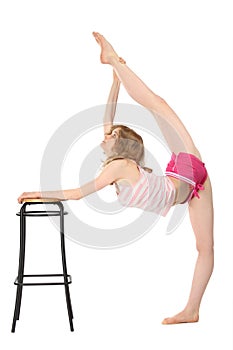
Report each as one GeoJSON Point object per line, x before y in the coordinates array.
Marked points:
{"type": "Point", "coordinates": [128, 145]}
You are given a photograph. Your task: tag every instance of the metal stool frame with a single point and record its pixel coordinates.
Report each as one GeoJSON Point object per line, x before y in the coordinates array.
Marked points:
{"type": "Point", "coordinates": [20, 278]}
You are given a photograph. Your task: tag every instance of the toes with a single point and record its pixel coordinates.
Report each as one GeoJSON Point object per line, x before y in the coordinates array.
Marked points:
{"type": "Point", "coordinates": [97, 37]}
{"type": "Point", "coordinates": [166, 321]}
{"type": "Point", "coordinates": [178, 320]}
{"type": "Point", "coordinates": [96, 34]}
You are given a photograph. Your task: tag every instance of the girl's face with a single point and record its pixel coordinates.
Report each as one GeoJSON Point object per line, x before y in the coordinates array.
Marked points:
{"type": "Point", "coordinates": [109, 141]}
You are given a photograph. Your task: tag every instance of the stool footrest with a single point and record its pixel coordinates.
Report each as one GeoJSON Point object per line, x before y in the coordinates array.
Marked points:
{"type": "Point", "coordinates": [38, 213]}
{"type": "Point", "coordinates": [69, 280]}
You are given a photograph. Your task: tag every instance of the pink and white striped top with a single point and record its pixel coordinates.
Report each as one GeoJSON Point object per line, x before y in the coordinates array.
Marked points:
{"type": "Point", "coordinates": [151, 193]}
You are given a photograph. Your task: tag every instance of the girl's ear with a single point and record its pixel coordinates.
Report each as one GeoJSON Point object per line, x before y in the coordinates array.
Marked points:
{"type": "Point", "coordinates": [149, 170]}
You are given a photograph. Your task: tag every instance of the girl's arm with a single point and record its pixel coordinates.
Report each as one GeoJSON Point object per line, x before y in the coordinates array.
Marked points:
{"type": "Point", "coordinates": [110, 109]}
{"type": "Point", "coordinates": [111, 173]}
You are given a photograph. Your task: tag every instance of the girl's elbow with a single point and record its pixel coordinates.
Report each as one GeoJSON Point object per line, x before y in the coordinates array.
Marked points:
{"type": "Point", "coordinates": [78, 194]}
{"type": "Point", "coordinates": [74, 194]}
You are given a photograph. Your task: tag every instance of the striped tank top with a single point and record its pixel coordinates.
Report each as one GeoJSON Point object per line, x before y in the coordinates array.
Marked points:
{"type": "Point", "coordinates": [150, 193]}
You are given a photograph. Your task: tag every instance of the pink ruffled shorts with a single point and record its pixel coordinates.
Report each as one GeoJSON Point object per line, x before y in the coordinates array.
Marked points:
{"type": "Point", "coordinates": [190, 169]}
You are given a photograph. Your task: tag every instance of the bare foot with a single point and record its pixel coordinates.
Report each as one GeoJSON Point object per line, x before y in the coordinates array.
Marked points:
{"type": "Point", "coordinates": [182, 317]}
{"type": "Point", "coordinates": [107, 51]}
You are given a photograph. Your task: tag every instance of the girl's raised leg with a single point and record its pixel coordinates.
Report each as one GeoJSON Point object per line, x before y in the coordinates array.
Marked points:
{"type": "Point", "coordinates": [173, 129]}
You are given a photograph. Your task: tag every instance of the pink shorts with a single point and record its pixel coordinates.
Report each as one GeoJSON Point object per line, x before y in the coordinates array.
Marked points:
{"type": "Point", "coordinates": [190, 169]}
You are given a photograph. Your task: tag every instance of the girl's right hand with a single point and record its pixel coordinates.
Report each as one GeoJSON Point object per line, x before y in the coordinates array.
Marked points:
{"type": "Point", "coordinates": [28, 195]}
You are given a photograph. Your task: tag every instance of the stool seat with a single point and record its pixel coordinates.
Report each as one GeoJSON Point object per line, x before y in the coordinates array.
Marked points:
{"type": "Point", "coordinates": [20, 279]}
{"type": "Point", "coordinates": [39, 213]}
{"type": "Point", "coordinates": [41, 200]}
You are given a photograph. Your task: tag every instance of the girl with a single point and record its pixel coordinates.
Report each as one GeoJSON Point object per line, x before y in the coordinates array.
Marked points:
{"type": "Point", "coordinates": [136, 186]}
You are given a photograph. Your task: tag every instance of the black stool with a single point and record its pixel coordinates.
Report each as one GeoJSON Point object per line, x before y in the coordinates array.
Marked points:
{"type": "Point", "coordinates": [20, 278]}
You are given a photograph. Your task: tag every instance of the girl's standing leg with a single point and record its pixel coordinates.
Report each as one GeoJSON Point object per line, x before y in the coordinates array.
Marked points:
{"type": "Point", "coordinates": [200, 210]}
{"type": "Point", "coordinates": [201, 216]}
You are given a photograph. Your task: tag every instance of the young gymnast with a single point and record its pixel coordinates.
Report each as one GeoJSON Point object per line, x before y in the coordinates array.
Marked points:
{"type": "Point", "coordinates": [185, 180]}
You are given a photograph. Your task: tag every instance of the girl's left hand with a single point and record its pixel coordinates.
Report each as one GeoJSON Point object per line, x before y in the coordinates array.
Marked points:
{"type": "Point", "coordinates": [115, 77]}
{"type": "Point", "coordinates": [27, 195]}
{"type": "Point", "coordinates": [121, 60]}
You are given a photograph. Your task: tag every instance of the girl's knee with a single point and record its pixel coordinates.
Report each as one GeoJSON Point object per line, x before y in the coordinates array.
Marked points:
{"type": "Point", "coordinates": [206, 248]}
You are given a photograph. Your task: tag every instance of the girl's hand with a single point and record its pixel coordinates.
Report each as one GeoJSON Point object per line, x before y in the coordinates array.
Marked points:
{"type": "Point", "coordinates": [27, 195]}
{"type": "Point", "coordinates": [115, 77]}
{"type": "Point", "coordinates": [121, 60]}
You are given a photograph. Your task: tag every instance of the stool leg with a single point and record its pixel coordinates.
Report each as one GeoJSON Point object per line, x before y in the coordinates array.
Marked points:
{"type": "Point", "coordinates": [20, 268]}
{"type": "Point", "coordinates": [67, 292]}
{"type": "Point", "coordinates": [20, 279]}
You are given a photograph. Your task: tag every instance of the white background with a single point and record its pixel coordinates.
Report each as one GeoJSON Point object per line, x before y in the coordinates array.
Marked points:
{"type": "Point", "coordinates": [50, 71]}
